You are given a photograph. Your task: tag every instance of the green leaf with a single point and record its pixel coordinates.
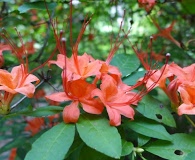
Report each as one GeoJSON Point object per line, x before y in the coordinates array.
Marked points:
{"type": "Point", "coordinates": [189, 6]}
{"type": "Point", "coordinates": [148, 128]}
{"type": "Point", "coordinates": [127, 148]}
{"type": "Point", "coordinates": [153, 109]}
{"type": "Point", "coordinates": [142, 140]}
{"type": "Point", "coordinates": [181, 147]}
{"type": "Point", "coordinates": [53, 144]}
{"type": "Point", "coordinates": [96, 132]}
{"type": "Point", "coordinates": [38, 112]}
{"type": "Point", "coordinates": [127, 63]}
{"type": "Point", "coordinates": [190, 156]}
{"type": "Point", "coordinates": [36, 5]}
{"type": "Point", "coordinates": [44, 111]}
{"type": "Point", "coordinates": [134, 77]}
{"type": "Point", "coordinates": [91, 154]}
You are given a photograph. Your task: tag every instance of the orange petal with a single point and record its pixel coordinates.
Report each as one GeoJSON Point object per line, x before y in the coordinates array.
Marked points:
{"type": "Point", "coordinates": [6, 79]}
{"type": "Point", "coordinates": [58, 97]}
{"type": "Point", "coordinates": [114, 116]}
{"type": "Point", "coordinates": [71, 113]}
{"type": "Point", "coordinates": [27, 90]}
{"type": "Point", "coordinates": [93, 106]}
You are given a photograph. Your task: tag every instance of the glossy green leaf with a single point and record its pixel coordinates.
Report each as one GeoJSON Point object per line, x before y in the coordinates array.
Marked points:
{"type": "Point", "coordinates": [127, 148]}
{"type": "Point", "coordinates": [36, 5]}
{"type": "Point", "coordinates": [96, 132]}
{"type": "Point", "coordinates": [149, 128]}
{"type": "Point", "coordinates": [153, 109]}
{"type": "Point", "coordinates": [178, 149]}
{"type": "Point", "coordinates": [127, 63]}
{"type": "Point", "coordinates": [53, 144]}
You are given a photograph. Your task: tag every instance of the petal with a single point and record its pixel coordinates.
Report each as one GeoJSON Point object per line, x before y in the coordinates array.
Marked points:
{"type": "Point", "coordinates": [92, 69]}
{"type": "Point", "coordinates": [108, 87]}
{"type": "Point", "coordinates": [60, 62]}
{"type": "Point", "coordinates": [31, 78]}
{"type": "Point", "coordinates": [186, 109]}
{"type": "Point", "coordinates": [58, 97]}
{"type": "Point", "coordinates": [6, 79]}
{"type": "Point", "coordinates": [93, 106]}
{"type": "Point", "coordinates": [126, 110]}
{"type": "Point", "coordinates": [71, 113]}
{"type": "Point", "coordinates": [27, 90]}
{"type": "Point", "coordinates": [114, 116]}
{"type": "Point", "coordinates": [7, 89]}
{"type": "Point", "coordinates": [185, 97]}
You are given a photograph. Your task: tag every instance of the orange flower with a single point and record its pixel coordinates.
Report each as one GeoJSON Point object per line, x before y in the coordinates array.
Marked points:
{"type": "Point", "coordinates": [77, 91]}
{"type": "Point", "coordinates": [18, 81]}
{"type": "Point", "coordinates": [115, 100]}
{"type": "Point", "coordinates": [35, 125]}
{"type": "Point", "coordinates": [78, 67]}
{"type": "Point", "coordinates": [165, 33]}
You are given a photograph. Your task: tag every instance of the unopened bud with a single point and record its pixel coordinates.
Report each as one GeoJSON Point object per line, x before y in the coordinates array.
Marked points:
{"type": "Point", "coordinates": [138, 150]}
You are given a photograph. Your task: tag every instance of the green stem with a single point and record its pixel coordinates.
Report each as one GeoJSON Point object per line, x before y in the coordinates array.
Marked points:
{"type": "Point", "coordinates": [191, 122]}
{"type": "Point", "coordinates": [142, 156]}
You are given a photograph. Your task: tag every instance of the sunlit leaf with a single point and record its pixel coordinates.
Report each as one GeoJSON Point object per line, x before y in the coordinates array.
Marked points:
{"type": "Point", "coordinates": [96, 132]}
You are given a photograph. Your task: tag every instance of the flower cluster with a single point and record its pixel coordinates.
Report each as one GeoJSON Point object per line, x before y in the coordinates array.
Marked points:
{"type": "Point", "coordinates": [178, 84]}
{"type": "Point", "coordinates": [105, 88]}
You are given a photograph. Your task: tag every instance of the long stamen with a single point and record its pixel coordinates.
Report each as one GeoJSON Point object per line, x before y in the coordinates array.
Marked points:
{"type": "Point", "coordinates": [117, 42]}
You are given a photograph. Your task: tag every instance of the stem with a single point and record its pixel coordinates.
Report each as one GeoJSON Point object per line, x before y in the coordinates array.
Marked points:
{"type": "Point", "coordinates": [191, 122]}
{"type": "Point", "coordinates": [142, 157]}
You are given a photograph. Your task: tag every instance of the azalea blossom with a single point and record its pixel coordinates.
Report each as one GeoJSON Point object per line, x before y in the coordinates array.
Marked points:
{"type": "Point", "coordinates": [77, 91]}
{"type": "Point", "coordinates": [115, 100]}
{"type": "Point", "coordinates": [18, 81]}
{"type": "Point", "coordinates": [78, 67]}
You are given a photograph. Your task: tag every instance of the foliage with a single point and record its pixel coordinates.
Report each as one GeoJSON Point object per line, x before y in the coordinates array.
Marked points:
{"type": "Point", "coordinates": [91, 80]}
